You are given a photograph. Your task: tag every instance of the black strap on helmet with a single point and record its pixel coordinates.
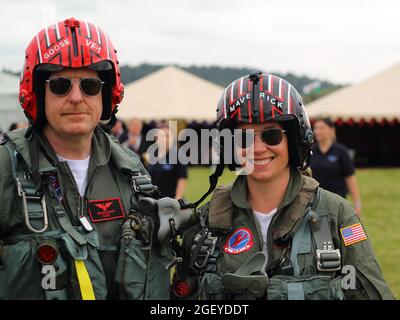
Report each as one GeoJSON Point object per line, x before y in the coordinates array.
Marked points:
{"type": "Point", "coordinates": [213, 182]}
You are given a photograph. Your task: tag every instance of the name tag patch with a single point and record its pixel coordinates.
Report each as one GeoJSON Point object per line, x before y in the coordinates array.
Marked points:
{"type": "Point", "coordinates": [105, 210]}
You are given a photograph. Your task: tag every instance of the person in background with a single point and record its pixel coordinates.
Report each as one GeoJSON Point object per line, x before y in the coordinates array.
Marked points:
{"type": "Point", "coordinates": [136, 141]}
{"type": "Point", "coordinates": [169, 177]}
{"type": "Point", "coordinates": [331, 164]}
{"type": "Point", "coordinates": [120, 131]}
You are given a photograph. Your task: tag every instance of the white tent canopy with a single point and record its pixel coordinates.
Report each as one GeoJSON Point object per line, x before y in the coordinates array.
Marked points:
{"type": "Point", "coordinates": [376, 98]}
{"type": "Point", "coordinates": [170, 93]}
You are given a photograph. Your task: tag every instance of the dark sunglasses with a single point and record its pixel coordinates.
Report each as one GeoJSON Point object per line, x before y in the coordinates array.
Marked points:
{"type": "Point", "coordinates": [271, 137]}
{"type": "Point", "coordinates": [62, 86]}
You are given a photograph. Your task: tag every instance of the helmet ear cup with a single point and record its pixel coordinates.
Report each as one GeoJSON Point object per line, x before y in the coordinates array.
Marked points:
{"type": "Point", "coordinates": [40, 78]}
{"type": "Point", "coordinates": [227, 155]}
{"type": "Point", "coordinates": [308, 137]}
{"type": "Point", "coordinates": [305, 149]}
{"type": "Point", "coordinates": [106, 92]}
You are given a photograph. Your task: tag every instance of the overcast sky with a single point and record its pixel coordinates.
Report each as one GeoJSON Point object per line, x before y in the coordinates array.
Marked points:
{"type": "Point", "coordinates": [344, 41]}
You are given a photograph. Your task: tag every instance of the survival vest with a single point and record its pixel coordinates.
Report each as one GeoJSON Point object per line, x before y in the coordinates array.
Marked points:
{"type": "Point", "coordinates": [63, 262]}
{"type": "Point", "coordinates": [311, 236]}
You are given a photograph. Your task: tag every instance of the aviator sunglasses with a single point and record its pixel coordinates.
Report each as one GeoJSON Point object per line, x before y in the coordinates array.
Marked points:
{"type": "Point", "coordinates": [62, 86]}
{"type": "Point", "coordinates": [271, 137]}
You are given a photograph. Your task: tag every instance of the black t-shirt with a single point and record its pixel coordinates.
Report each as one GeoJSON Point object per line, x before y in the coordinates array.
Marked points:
{"type": "Point", "coordinates": [331, 169]}
{"type": "Point", "coordinates": [166, 176]}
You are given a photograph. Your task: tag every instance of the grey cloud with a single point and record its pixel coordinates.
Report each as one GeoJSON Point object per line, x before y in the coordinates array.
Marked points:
{"type": "Point", "coordinates": [319, 38]}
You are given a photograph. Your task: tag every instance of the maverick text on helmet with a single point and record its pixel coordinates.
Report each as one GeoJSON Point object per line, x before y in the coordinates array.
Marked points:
{"type": "Point", "coordinates": [261, 97]}
{"type": "Point", "coordinates": [68, 44]}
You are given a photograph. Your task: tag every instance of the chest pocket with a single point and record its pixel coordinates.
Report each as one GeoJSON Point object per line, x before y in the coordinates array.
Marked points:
{"type": "Point", "coordinates": [302, 248]}
{"type": "Point", "coordinates": [317, 287]}
{"type": "Point", "coordinates": [20, 274]}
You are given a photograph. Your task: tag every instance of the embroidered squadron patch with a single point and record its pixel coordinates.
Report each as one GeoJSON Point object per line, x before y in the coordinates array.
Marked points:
{"type": "Point", "coordinates": [105, 210]}
{"type": "Point", "coordinates": [353, 234]}
{"type": "Point", "coordinates": [241, 240]}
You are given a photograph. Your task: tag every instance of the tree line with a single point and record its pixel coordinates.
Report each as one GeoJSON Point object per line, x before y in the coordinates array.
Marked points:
{"type": "Point", "coordinates": [223, 76]}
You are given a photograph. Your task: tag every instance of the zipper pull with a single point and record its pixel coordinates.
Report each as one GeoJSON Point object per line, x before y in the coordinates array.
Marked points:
{"type": "Point", "coordinates": [83, 220]}
{"type": "Point", "coordinates": [85, 223]}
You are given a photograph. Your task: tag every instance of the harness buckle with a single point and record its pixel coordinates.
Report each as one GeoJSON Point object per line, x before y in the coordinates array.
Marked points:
{"type": "Point", "coordinates": [141, 183]}
{"type": "Point", "coordinates": [328, 259]}
{"type": "Point", "coordinates": [207, 248]}
{"type": "Point", "coordinates": [25, 199]}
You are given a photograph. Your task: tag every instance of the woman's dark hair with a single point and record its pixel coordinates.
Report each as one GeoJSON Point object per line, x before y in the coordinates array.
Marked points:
{"type": "Point", "coordinates": [291, 131]}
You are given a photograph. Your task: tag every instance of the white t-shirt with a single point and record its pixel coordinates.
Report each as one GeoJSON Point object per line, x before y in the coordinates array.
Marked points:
{"type": "Point", "coordinates": [79, 169]}
{"type": "Point", "coordinates": [265, 220]}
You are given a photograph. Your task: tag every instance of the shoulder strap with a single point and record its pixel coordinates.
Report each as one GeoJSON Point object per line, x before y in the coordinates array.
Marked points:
{"type": "Point", "coordinates": [328, 259]}
{"type": "Point", "coordinates": [315, 225]}
{"type": "Point", "coordinates": [32, 196]}
{"type": "Point", "coordinates": [124, 159]}
{"type": "Point", "coordinates": [301, 242]}
{"type": "Point", "coordinates": [33, 200]}
{"type": "Point", "coordinates": [128, 163]}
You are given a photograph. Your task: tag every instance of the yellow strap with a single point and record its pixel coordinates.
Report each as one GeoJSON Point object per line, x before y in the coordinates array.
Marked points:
{"type": "Point", "coordinates": [84, 281]}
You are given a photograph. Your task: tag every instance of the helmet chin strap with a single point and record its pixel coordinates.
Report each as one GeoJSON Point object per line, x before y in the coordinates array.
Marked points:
{"type": "Point", "coordinates": [213, 182]}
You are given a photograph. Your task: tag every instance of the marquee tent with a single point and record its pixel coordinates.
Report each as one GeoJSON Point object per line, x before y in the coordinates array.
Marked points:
{"type": "Point", "coordinates": [367, 117]}
{"type": "Point", "coordinates": [170, 93]}
{"type": "Point", "coordinates": [376, 99]}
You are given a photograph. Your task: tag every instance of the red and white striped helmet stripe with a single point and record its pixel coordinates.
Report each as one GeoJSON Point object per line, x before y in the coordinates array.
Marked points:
{"type": "Point", "coordinates": [269, 83]}
{"type": "Point", "coordinates": [46, 36]}
{"type": "Point", "coordinates": [88, 29]}
{"type": "Point", "coordinates": [39, 50]}
{"type": "Point", "coordinates": [98, 34]}
{"type": "Point", "coordinates": [57, 32]}
{"type": "Point", "coordinates": [289, 100]}
{"type": "Point", "coordinates": [225, 103]}
{"type": "Point", "coordinates": [108, 48]}
{"type": "Point", "coordinates": [241, 86]}
{"type": "Point", "coordinates": [232, 88]}
{"type": "Point", "coordinates": [280, 89]}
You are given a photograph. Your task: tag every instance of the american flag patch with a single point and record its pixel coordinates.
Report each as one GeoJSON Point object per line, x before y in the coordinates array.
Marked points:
{"type": "Point", "coordinates": [353, 234]}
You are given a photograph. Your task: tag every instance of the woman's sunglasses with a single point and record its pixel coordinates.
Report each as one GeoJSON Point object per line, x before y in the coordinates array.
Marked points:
{"type": "Point", "coordinates": [271, 137]}
{"type": "Point", "coordinates": [62, 86]}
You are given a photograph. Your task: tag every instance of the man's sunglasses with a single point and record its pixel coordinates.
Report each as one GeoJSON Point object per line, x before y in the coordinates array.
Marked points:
{"type": "Point", "coordinates": [62, 86]}
{"type": "Point", "coordinates": [271, 137]}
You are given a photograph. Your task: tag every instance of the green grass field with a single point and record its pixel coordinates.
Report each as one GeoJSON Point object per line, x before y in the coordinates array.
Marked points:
{"type": "Point", "coordinates": [380, 191]}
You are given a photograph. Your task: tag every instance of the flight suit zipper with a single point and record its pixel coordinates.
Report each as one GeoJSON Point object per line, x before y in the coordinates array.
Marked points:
{"type": "Point", "coordinates": [82, 200]}
{"type": "Point", "coordinates": [274, 263]}
{"type": "Point", "coordinates": [260, 239]}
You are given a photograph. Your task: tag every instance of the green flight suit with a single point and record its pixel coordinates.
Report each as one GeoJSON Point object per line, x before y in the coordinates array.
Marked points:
{"type": "Point", "coordinates": [131, 273]}
{"type": "Point", "coordinates": [233, 213]}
